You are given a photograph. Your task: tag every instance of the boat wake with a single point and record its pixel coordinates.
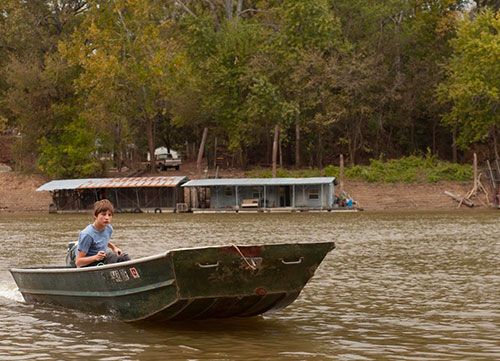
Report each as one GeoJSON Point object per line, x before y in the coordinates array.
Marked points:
{"type": "Point", "coordinates": [10, 291]}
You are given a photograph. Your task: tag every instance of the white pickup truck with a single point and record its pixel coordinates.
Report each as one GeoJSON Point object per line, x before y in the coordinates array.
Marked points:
{"type": "Point", "coordinates": [168, 160]}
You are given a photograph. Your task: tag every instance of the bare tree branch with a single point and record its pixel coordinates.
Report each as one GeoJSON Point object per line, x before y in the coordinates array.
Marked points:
{"type": "Point", "coordinates": [184, 6]}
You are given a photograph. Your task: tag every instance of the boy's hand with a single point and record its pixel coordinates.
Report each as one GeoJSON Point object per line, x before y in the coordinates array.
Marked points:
{"type": "Point", "coordinates": [100, 255]}
{"type": "Point", "coordinates": [118, 251]}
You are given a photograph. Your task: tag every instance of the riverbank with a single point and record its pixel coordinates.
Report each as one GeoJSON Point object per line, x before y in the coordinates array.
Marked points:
{"type": "Point", "coordinates": [18, 194]}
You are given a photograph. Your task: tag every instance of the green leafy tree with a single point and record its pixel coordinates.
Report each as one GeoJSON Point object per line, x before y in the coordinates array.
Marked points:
{"type": "Point", "coordinates": [126, 53]}
{"type": "Point", "coordinates": [34, 83]}
{"type": "Point", "coordinates": [472, 86]}
{"type": "Point", "coordinates": [309, 36]}
{"type": "Point", "coordinates": [72, 155]}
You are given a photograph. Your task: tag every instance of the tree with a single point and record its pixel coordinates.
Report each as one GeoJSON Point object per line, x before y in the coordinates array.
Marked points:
{"type": "Point", "coordinates": [37, 84]}
{"type": "Point", "coordinates": [127, 54]}
{"type": "Point", "coordinates": [74, 153]}
{"type": "Point", "coordinates": [305, 28]}
{"type": "Point", "coordinates": [472, 86]}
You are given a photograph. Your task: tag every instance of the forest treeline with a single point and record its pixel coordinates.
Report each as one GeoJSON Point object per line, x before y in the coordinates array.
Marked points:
{"type": "Point", "coordinates": [85, 81]}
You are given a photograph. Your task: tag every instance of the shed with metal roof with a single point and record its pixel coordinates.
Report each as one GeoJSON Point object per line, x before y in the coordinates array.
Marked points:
{"type": "Point", "coordinates": [262, 194]}
{"type": "Point", "coordinates": [130, 194]}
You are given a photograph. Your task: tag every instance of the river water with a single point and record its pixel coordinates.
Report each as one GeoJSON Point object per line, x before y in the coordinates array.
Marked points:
{"type": "Point", "coordinates": [399, 286]}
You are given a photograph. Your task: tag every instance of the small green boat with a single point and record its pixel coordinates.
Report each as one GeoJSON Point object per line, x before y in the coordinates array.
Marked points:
{"type": "Point", "coordinates": [181, 284]}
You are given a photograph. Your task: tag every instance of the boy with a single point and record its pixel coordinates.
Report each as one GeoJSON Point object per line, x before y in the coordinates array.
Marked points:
{"type": "Point", "coordinates": [94, 240]}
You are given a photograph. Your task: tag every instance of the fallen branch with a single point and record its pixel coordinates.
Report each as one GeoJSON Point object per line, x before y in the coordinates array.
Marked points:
{"type": "Point", "coordinates": [460, 200]}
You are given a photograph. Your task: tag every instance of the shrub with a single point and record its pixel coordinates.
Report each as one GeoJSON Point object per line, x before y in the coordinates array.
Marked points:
{"type": "Point", "coordinates": [411, 169]}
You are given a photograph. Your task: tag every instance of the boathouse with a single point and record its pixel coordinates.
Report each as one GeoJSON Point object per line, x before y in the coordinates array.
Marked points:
{"type": "Point", "coordinates": [262, 194]}
{"type": "Point", "coordinates": [138, 194]}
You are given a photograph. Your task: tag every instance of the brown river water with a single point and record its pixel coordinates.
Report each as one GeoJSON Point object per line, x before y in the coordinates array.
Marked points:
{"type": "Point", "coordinates": [399, 286]}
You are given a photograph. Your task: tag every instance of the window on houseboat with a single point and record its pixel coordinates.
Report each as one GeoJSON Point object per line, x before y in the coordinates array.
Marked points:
{"type": "Point", "coordinates": [314, 193]}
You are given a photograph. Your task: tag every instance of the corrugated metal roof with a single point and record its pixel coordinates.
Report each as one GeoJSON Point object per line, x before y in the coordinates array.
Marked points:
{"type": "Point", "coordinates": [91, 183]}
{"type": "Point", "coordinates": [231, 182]}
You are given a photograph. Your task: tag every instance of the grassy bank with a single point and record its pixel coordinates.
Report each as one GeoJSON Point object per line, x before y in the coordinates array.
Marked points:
{"type": "Point", "coordinates": [412, 169]}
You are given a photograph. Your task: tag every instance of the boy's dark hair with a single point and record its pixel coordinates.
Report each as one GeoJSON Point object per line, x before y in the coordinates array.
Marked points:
{"type": "Point", "coordinates": [103, 205]}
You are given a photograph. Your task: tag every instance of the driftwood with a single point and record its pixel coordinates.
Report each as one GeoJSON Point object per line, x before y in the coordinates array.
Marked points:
{"type": "Point", "coordinates": [460, 200]}
{"type": "Point", "coordinates": [477, 188]}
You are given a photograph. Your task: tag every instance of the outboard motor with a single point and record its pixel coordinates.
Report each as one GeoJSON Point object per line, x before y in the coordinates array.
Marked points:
{"type": "Point", "coordinates": [71, 255]}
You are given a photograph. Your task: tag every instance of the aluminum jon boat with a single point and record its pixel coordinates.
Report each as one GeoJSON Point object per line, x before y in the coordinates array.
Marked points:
{"type": "Point", "coordinates": [181, 284]}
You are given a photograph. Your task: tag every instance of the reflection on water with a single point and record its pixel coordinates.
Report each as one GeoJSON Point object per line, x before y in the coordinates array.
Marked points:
{"type": "Point", "coordinates": [408, 286]}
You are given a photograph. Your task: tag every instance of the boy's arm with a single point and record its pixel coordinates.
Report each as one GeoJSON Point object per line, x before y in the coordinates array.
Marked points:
{"type": "Point", "coordinates": [114, 248]}
{"type": "Point", "coordinates": [82, 260]}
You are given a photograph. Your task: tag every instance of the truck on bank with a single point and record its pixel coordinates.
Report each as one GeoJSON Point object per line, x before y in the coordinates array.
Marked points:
{"type": "Point", "coordinates": [167, 159]}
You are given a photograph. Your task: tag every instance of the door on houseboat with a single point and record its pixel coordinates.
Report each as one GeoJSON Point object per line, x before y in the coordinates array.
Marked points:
{"type": "Point", "coordinates": [284, 195]}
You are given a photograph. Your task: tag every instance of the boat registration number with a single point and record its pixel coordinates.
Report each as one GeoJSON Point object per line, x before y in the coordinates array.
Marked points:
{"type": "Point", "coordinates": [123, 274]}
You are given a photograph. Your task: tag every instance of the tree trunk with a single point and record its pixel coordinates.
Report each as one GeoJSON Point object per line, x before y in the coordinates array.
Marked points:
{"type": "Point", "coordinates": [341, 173]}
{"type": "Point", "coordinates": [297, 144]}
{"type": "Point", "coordinates": [239, 8]}
{"type": "Point", "coordinates": [280, 151]}
{"type": "Point", "coordinates": [434, 144]}
{"type": "Point", "coordinates": [352, 150]}
{"type": "Point", "coordinates": [495, 142]}
{"type": "Point", "coordinates": [398, 20]}
{"type": "Point", "coordinates": [200, 151]}
{"type": "Point", "coordinates": [118, 148]}
{"type": "Point", "coordinates": [151, 144]}
{"type": "Point", "coordinates": [229, 9]}
{"type": "Point", "coordinates": [275, 148]}
{"type": "Point", "coordinates": [269, 152]}
{"type": "Point", "coordinates": [454, 152]}
{"type": "Point", "coordinates": [320, 151]}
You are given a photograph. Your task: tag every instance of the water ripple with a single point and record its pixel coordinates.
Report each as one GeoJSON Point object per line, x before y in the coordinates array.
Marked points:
{"type": "Point", "coordinates": [402, 286]}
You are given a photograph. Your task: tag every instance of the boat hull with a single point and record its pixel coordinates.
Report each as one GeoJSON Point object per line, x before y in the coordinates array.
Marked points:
{"type": "Point", "coordinates": [195, 283]}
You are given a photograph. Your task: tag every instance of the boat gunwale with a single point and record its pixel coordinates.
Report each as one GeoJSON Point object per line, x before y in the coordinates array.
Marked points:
{"type": "Point", "coordinates": [64, 269]}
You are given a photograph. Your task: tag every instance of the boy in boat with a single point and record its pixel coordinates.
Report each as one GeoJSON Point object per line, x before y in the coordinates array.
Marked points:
{"type": "Point", "coordinates": [94, 246]}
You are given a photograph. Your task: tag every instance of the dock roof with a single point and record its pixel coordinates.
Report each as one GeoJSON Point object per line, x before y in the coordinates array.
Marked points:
{"type": "Point", "coordinates": [233, 182]}
{"type": "Point", "coordinates": [129, 182]}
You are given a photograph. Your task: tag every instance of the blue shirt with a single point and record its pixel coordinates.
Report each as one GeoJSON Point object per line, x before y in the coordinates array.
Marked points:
{"type": "Point", "coordinates": [91, 241]}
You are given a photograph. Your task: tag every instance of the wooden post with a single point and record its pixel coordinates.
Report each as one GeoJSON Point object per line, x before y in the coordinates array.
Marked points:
{"type": "Point", "coordinates": [321, 193]}
{"type": "Point", "coordinates": [265, 200]}
{"type": "Point", "coordinates": [474, 164]}
{"type": "Point", "coordinates": [215, 153]}
{"type": "Point", "coordinates": [200, 151]}
{"type": "Point", "coordinates": [341, 174]}
{"type": "Point", "coordinates": [194, 196]}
